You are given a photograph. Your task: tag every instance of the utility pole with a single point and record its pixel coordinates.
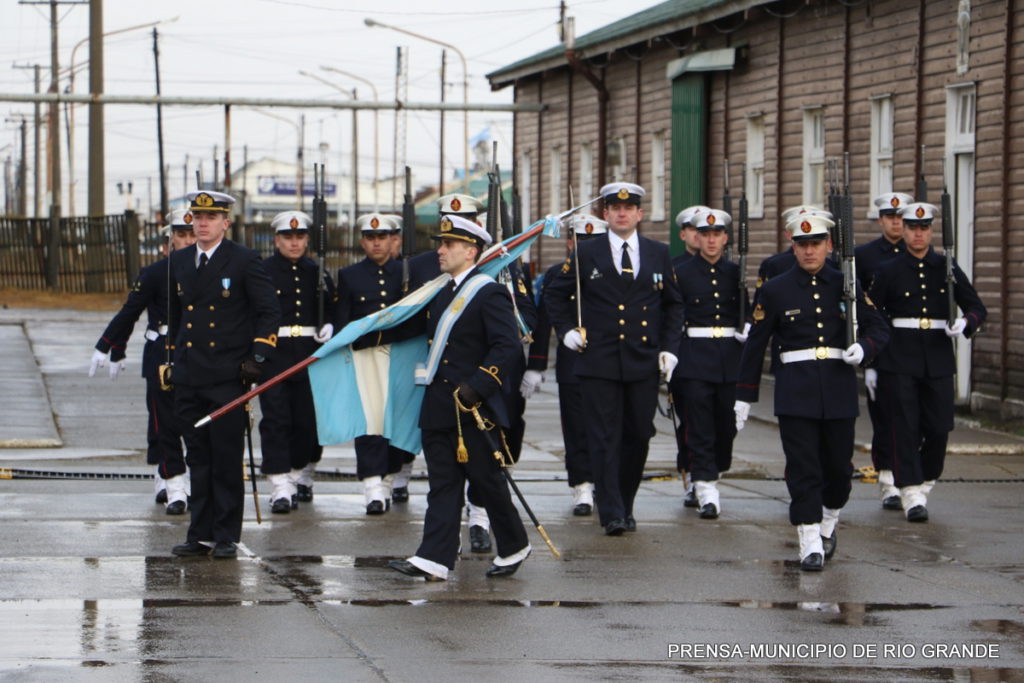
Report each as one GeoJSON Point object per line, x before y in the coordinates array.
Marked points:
{"type": "Point", "coordinates": [37, 124]}
{"type": "Point", "coordinates": [53, 252]}
{"type": "Point", "coordinates": [97, 163]}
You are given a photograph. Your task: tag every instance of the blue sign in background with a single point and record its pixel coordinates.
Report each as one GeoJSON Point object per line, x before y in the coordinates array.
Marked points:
{"type": "Point", "coordinates": [271, 184]}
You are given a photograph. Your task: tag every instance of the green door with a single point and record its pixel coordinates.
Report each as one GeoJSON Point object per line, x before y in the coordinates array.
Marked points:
{"type": "Point", "coordinates": [689, 147]}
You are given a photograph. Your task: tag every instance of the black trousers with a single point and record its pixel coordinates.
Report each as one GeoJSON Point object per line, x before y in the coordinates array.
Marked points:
{"type": "Point", "coordinates": [215, 454]}
{"type": "Point", "coordinates": [921, 414]}
{"type": "Point", "coordinates": [163, 434]}
{"type": "Point", "coordinates": [709, 422]}
{"type": "Point", "coordinates": [619, 429]}
{"type": "Point", "coordinates": [574, 434]}
{"type": "Point", "coordinates": [376, 457]}
{"type": "Point", "coordinates": [679, 405]}
{"type": "Point", "coordinates": [288, 438]}
{"type": "Point", "coordinates": [447, 478]}
{"type": "Point", "coordinates": [819, 465]}
{"type": "Point", "coordinates": [881, 437]}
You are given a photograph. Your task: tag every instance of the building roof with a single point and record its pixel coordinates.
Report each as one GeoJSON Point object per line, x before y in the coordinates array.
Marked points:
{"type": "Point", "coordinates": [668, 17]}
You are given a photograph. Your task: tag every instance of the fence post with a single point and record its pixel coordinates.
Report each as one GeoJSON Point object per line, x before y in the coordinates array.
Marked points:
{"type": "Point", "coordinates": [131, 246]}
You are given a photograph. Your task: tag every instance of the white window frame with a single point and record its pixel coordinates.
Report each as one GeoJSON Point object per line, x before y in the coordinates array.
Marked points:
{"type": "Point", "coordinates": [882, 144]}
{"type": "Point", "coordinates": [814, 156]}
{"type": "Point", "coordinates": [618, 171]}
{"type": "Point", "coordinates": [526, 188]}
{"type": "Point", "coordinates": [586, 171]}
{"type": "Point", "coordinates": [754, 168]}
{"type": "Point", "coordinates": [657, 202]}
{"type": "Point", "coordinates": [555, 181]}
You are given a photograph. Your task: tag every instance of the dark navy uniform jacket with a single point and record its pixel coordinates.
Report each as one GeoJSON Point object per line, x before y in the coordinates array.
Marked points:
{"type": "Point", "coordinates": [627, 324]}
{"type": "Point", "coordinates": [221, 317]}
{"type": "Point", "coordinates": [711, 299]}
{"type": "Point", "coordinates": [149, 293]}
{"type": "Point", "coordinates": [297, 288]}
{"type": "Point", "coordinates": [365, 288]}
{"type": "Point", "coordinates": [565, 360]}
{"type": "Point", "coordinates": [478, 352]}
{"type": "Point", "coordinates": [680, 259]}
{"type": "Point", "coordinates": [909, 287]}
{"type": "Point", "coordinates": [803, 311]}
{"type": "Point", "coordinates": [423, 268]}
{"type": "Point", "coordinates": [872, 255]}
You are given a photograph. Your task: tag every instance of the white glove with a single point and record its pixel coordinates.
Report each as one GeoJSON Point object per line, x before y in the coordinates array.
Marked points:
{"type": "Point", "coordinates": [956, 328]}
{"type": "Point", "coordinates": [573, 340]}
{"type": "Point", "coordinates": [99, 360]}
{"type": "Point", "coordinates": [667, 362]}
{"type": "Point", "coordinates": [742, 410]}
{"type": "Point", "coordinates": [325, 333]}
{"type": "Point", "coordinates": [853, 355]}
{"type": "Point", "coordinates": [742, 336]}
{"type": "Point", "coordinates": [116, 368]}
{"type": "Point", "coordinates": [871, 382]}
{"type": "Point", "coordinates": [531, 383]}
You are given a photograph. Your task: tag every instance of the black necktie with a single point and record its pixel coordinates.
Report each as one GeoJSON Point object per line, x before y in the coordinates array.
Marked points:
{"type": "Point", "coordinates": [203, 258]}
{"type": "Point", "coordinates": [627, 263]}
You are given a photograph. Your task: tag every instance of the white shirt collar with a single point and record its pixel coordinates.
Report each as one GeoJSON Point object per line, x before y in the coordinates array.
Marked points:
{"type": "Point", "coordinates": [209, 254]}
{"type": "Point", "coordinates": [461, 276]}
{"type": "Point", "coordinates": [616, 242]}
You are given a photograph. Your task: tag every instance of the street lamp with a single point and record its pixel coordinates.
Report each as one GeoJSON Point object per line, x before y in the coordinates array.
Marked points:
{"type": "Point", "coordinates": [376, 137]}
{"type": "Point", "coordinates": [465, 87]}
{"type": "Point", "coordinates": [355, 141]}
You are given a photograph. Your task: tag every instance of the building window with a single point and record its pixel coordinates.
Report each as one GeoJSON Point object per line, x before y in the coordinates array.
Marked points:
{"type": "Point", "coordinates": [586, 171]}
{"type": "Point", "coordinates": [526, 188]}
{"type": "Point", "coordinates": [617, 159]}
{"type": "Point", "coordinates": [881, 149]}
{"type": "Point", "coordinates": [555, 180]}
{"type": "Point", "coordinates": [754, 178]}
{"type": "Point", "coordinates": [814, 156]}
{"type": "Point", "coordinates": [657, 203]}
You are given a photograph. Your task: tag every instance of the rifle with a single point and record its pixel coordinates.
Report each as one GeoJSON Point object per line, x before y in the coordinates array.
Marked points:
{"type": "Point", "coordinates": [922, 182]}
{"type": "Point", "coordinates": [727, 207]}
{"type": "Point", "coordinates": [948, 246]}
{"type": "Point", "coordinates": [320, 238]}
{"type": "Point", "coordinates": [742, 246]}
{"type": "Point", "coordinates": [846, 246]}
{"type": "Point", "coordinates": [408, 229]}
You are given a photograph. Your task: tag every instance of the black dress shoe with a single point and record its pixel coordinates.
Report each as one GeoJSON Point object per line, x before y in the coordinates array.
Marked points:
{"type": "Point", "coordinates": [377, 507]}
{"type": "Point", "coordinates": [280, 506]}
{"type": "Point", "coordinates": [178, 507]}
{"type": "Point", "coordinates": [829, 543]}
{"type": "Point", "coordinates": [918, 513]}
{"type": "Point", "coordinates": [615, 527]}
{"type": "Point", "coordinates": [479, 539]}
{"type": "Point", "coordinates": [690, 499]}
{"type": "Point", "coordinates": [709, 511]}
{"type": "Point", "coordinates": [582, 510]}
{"type": "Point", "coordinates": [498, 571]}
{"type": "Point", "coordinates": [161, 497]}
{"type": "Point", "coordinates": [225, 551]}
{"type": "Point", "coordinates": [630, 523]}
{"type": "Point", "coordinates": [409, 569]}
{"type": "Point", "coordinates": [812, 563]}
{"type": "Point", "coordinates": [892, 503]}
{"type": "Point", "coordinates": [303, 494]}
{"type": "Point", "coordinates": [400, 494]}
{"type": "Point", "coordinates": [191, 549]}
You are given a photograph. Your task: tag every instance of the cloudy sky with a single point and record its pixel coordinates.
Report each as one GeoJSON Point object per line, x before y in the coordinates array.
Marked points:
{"type": "Point", "coordinates": [256, 48]}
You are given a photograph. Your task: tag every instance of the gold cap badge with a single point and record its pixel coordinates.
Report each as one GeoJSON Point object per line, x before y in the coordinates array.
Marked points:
{"type": "Point", "coordinates": [456, 204]}
{"type": "Point", "coordinates": [805, 227]}
{"type": "Point", "coordinates": [374, 223]}
{"type": "Point", "coordinates": [894, 202]}
{"type": "Point", "coordinates": [920, 212]}
{"type": "Point", "coordinates": [711, 219]}
{"type": "Point", "coordinates": [588, 228]}
{"type": "Point", "coordinates": [203, 199]}
{"type": "Point", "coordinates": [446, 224]}
{"type": "Point", "coordinates": [293, 223]}
{"type": "Point", "coordinates": [187, 218]}
{"type": "Point", "coordinates": [623, 194]}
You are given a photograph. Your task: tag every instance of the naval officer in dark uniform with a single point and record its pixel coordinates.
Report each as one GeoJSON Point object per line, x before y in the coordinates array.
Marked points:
{"type": "Point", "coordinates": [632, 317]}
{"type": "Point", "coordinates": [815, 383]}
{"type": "Point", "coordinates": [288, 437]}
{"type": "Point", "coordinates": [869, 257]}
{"type": "Point", "coordinates": [224, 322]}
{"type": "Point", "coordinates": [364, 288]}
{"type": "Point", "coordinates": [149, 294]}
{"type": "Point", "coordinates": [712, 339]}
{"type": "Point", "coordinates": [915, 372]}
{"type": "Point", "coordinates": [473, 337]}
{"type": "Point", "coordinates": [570, 402]}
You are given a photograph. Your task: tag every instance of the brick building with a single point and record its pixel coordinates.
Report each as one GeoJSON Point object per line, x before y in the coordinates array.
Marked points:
{"type": "Point", "coordinates": [910, 89]}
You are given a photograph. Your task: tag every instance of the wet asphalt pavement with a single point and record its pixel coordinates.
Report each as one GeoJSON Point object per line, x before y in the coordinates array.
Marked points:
{"type": "Point", "coordinates": [90, 590]}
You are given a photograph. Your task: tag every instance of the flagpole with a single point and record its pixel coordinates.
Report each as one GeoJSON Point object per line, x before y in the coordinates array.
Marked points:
{"type": "Point", "coordinates": [491, 254]}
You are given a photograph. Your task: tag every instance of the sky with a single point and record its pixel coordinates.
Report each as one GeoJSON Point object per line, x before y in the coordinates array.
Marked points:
{"type": "Point", "coordinates": [256, 48]}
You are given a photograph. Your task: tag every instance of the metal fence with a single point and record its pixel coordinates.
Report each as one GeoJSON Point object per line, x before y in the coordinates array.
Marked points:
{"type": "Point", "coordinates": [103, 255]}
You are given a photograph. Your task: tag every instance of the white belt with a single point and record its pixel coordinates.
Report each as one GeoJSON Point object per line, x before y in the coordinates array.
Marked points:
{"type": "Point", "coordinates": [153, 335]}
{"type": "Point", "coordinates": [919, 323]}
{"type": "Point", "coordinates": [710, 332]}
{"type": "Point", "coordinates": [818, 353]}
{"type": "Point", "coordinates": [296, 331]}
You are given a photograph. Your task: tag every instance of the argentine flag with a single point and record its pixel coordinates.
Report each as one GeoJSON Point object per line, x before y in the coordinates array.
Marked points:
{"type": "Point", "coordinates": [372, 391]}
